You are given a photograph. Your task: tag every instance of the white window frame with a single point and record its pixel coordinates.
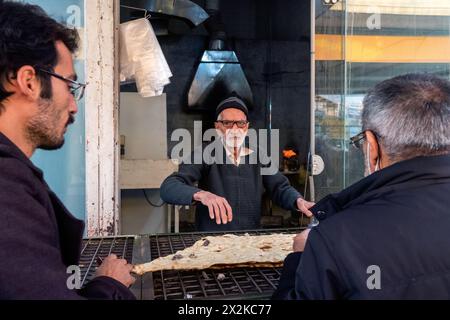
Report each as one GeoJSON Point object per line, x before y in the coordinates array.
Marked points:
{"type": "Point", "coordinates": [101, 39]}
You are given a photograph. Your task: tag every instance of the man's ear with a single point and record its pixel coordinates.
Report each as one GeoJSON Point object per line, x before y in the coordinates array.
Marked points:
{"type": "Point", "coordinates": [375, 151]}
{"type": "Point", "coordinates": [27, 83]}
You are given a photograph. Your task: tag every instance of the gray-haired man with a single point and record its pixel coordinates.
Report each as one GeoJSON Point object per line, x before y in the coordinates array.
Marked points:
{"type": "Point", "coordinates": [387, 236]}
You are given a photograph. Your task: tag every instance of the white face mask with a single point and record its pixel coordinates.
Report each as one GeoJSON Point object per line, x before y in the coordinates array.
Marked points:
{"type": "Point", "coordinates": [234, 138]}
{"type": "Point", "coordinates": [368, 171]}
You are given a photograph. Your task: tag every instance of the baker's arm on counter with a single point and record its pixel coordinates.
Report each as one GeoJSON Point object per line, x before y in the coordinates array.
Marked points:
{"type": "Point", "coordinates": [284, 195]}
{"type": "Point", "coordinates": [179, 189]}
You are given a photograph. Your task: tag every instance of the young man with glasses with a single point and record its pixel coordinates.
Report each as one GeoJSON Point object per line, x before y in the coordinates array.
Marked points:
{"type": "Point", "coordinates": [40, 238]}
{"type": "Point", "coordinates": [229, 192]}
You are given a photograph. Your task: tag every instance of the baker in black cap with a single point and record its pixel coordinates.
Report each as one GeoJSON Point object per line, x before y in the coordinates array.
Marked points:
{"type": "Point", "coordinates": [229, 193]}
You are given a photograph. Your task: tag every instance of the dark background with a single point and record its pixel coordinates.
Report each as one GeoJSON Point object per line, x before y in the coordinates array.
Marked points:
{"type": "Point", "coordinates": [271, 39]}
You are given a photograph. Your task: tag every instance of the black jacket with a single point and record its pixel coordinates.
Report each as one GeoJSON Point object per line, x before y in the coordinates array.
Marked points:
{"type": "Point", "coordinates": [243, 187]}
{"type": "Point", "coordinates": [397, 220]}
{"type": "Point", "coordinates": [39, 238]}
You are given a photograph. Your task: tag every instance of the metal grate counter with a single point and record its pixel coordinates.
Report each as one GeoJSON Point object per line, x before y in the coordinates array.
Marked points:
{"type": "Point", "coordinates": [101, 248]}
{"type": "Point", "coordinates": [238, 283]}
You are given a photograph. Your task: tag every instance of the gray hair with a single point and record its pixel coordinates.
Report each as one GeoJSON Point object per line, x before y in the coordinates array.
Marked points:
{"type": "Point", "coordinates": [410, 115]}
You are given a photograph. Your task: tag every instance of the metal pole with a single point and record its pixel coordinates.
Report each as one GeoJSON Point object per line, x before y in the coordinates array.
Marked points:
{"type": "Point", "coordinates": [312, 97]}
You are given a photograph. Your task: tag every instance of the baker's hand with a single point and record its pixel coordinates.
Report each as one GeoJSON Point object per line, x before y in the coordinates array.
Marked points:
{"type": "Point", "coordinates": [300, 241]}
{"type": "Point", "coordinates": [117, 269]}
{"type": "Point", "coordinates": [218, 207]}
{"type": "Point", "coordinates": [304, 206]}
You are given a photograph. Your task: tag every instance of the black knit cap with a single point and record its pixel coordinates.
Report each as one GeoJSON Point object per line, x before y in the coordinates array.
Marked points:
{"type": "Point", "coordinates": [232, 102]}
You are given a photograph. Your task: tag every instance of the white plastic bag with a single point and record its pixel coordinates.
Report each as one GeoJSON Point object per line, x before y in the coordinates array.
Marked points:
{"type": "Point", "coordinates": [142, 59]}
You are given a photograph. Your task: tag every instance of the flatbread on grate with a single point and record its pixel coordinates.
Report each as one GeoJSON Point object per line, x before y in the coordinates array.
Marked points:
{"type": "Point", "coordinates": [226, 251]}
{"type": "Point", "coordinates": [248, 265]}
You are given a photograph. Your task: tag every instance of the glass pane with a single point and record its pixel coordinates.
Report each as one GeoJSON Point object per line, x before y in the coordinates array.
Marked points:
{"type": "Point", "coordinates": [330, 99]}
{"type": "Point", "coordinates": [64, 169]}
{"type": "Point", "coordinates": [388, 39]}
{"type": "Point", "coordinates": [359, 44]}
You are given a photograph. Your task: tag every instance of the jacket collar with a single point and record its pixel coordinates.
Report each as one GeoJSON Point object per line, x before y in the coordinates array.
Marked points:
{"type": "Point", "coordinates": [9, 149]}
{"type": "Point", "coordinates": [416, 172]}
{"type": "Point", "coordinates": [70, 228]}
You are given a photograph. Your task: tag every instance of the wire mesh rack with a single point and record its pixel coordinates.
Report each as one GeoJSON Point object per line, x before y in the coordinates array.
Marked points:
{"type": "Point", "coordinates": [233, 284]}
{"type": "Point", "coordinates": [238, 283]}
{"type": "Point", "coordinates": [95, 248]}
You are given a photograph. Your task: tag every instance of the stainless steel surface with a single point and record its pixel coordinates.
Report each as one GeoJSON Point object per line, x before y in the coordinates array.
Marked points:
{"type": "Point", "coordinates": [312, 193]}
{"type": "Point", "coordinates": [218, 75]}
{"type": "Point", "coordinates": [179, 8]}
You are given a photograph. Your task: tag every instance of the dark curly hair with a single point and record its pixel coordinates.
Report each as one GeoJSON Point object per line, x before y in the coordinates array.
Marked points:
{"type": "Point", "coordinates": [27, 37]}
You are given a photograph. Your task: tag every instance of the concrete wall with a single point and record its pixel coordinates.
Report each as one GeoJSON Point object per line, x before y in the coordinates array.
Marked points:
{"type": "Point", "coordinates": [143, 122]}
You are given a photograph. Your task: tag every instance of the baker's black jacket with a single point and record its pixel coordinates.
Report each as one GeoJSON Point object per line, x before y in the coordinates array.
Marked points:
{"type": "Point", "coordinates": [243, 187]}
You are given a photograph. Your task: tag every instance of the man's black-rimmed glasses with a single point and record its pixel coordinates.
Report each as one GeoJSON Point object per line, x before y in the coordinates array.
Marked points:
{"type": "Point", "coordinates": [76, 88]}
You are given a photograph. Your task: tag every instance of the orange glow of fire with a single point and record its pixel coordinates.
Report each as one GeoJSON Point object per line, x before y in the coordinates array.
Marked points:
{"type": "Point", "coordinates": [289, 154]}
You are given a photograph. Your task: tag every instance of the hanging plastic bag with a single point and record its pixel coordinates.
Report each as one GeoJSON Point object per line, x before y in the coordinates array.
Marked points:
{"type": "Point", "coordinates": [142, 59]}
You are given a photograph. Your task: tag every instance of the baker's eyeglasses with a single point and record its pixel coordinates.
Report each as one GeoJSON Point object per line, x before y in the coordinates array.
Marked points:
{"type": "Point", "coordinates": [229, 124]}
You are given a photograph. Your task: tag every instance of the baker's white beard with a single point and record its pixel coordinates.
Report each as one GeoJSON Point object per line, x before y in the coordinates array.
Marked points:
{"type": "Point", "coordinates": [234, 138]}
